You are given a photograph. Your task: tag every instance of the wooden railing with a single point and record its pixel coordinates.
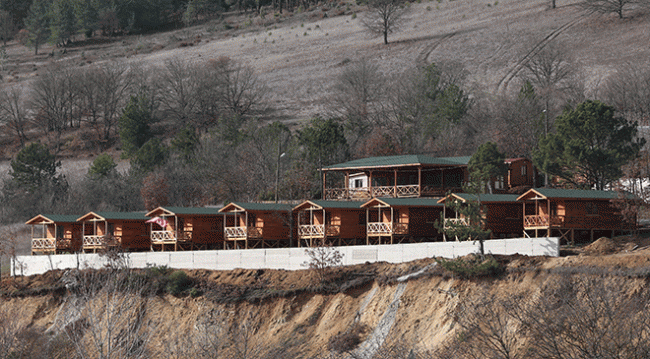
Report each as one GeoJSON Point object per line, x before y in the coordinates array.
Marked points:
{"type": "Point", "coordinates": [383, 191]}
{"type": "Point", "coordinates": [381, 228]}
{"type": "Point", "coordinates": [311, 230]}
{"type": "Point", "coordinates": [412, 190]}
{"type": "Point", "coordinates": [319, 231]}
{"type": "Point", "coordinates": [544, 221]}
{"type": "Point", "coordinates": [378, 228]}
{"type": "Point", "coordinates": [163, 237]}
{"type": "Point", "coordinates": [43, 244]}
{"type": "Point", "coordinates": [93, 241]}
{"type": "Point", "coordinates": [232, 233]}
{"type": "Point", "coordinates": [456, 222]}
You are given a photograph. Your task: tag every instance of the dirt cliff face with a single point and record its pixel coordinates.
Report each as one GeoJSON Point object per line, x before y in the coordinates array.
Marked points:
{"type": "Point", "coordinates": [286, 314]}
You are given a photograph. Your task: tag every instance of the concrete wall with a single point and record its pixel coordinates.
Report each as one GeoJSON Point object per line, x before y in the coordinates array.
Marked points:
{"type": "Point", "coordinates": [289, 258]}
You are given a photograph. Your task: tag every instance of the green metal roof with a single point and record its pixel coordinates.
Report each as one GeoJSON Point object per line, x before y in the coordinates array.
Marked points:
{"type": "Point", "coordinates": [488, 197]}
{"type": "Point", "coordinates": [61, 217]}
{"type": "Point", "coordinates": [252, 206]}
{"type": "Point", "coordinates": [58, 218]}
{"type": "Point", "coordinates": [122, 215]}
{"type": "Point", "coordinates": [579, 193]}
{"type": "Point", "coordinates": [192, 210]}
{"type": "Point", "coordinates": [400, 161]}
{"type": "Point", "coordinates": [410, 202]}
{"type": "Point", "coordinates": [339, 204]}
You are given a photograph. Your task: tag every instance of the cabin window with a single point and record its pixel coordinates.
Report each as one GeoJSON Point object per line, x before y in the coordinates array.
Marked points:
{"type": "Point", "coordinates": [358, 183]}
{"type": "Point", "coordinates": [111, 229]}
{"type": "Point", "coordinates": [60, 232]}
{"type": "Point", "coordinates": [523, 170]}
{"type": "Point", "coordinates": [553, 209]}
{"type": "Point", "coordinates": [453, 179]}
{"type": "Point", "coordinates": [362, 219]}
{"type": "Point", "coordinates": [498, 183]}
{"type": "Point", "coordinates": [396, 218]}
{"type": "Point", "coordinates": [591, 208]}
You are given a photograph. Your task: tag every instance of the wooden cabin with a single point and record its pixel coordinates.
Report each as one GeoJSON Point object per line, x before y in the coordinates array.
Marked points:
{"type": "Point", "coordinates": [185, 228]}
{"type": "Point", "coordinates": [257, 225]}
{"type": "Point", "coordinates": [123, 230]}
{"type": "Point", "coordinates": [409, 176]}
{"type": "Point", "coordinates": [502, 213]}
{"type": "Point", "coordinates": [571, 214]}
{"type": "Point", "coordinates": [333, 221]}
{"type": "Point", "coordinates": [398, 220]}
{"type": "Point", "coordinates": [55, 234]}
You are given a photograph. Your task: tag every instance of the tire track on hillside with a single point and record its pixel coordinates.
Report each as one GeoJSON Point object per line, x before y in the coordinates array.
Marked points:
{"type": "Point", "coordinates": [422, 58]}
{"type": "Point", "coordinates": [502, 86]}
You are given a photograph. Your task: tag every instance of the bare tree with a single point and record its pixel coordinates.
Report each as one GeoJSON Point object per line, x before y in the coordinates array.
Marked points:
{"type": "Point", "coordinates": [56, 100]}
{"type": "Point", "coordinates": [13, 112]}
{"type": "Point", "coordinates": [322, 257]}
{"type": "Point", "coordinates": [628, 90]}
{"type": "Point", "coordinates": [180, 80]}
{"type": "Point", "coordinates": [241, 91]}
{"type": "Point", "coordinates": [108, 315]}
{"type": "Point", "coordinates": [11, 326]}
{"type": "Point", "coordinates": [103, 91]}
{"type": "Point", "coordinates": [384, 17]}
{"type": "Point", "coordinates": [359, 98]}
{"type": "Point", "coordinates": [588, 317]}
{"type": "Point", "coordinates": [7, 26]}
{"type": "Point", "coordinates": [610, 6]}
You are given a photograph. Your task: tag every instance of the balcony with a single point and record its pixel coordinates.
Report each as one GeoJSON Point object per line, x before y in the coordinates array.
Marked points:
{"type": "Point", "coordinates": [456, 222]}
{"type": "Point", "coordinates": [99, 241]}
{"type": "Point", "coordinates": [386, 229]}
{"type": "Point", "coordinates": [237, 233]}
{"type": "Point", "coordinates": [169, 237]}
{"type": "Point", "coordinates": [43, 244]}
{"type": "Point", "coordinates": [318, 231]}
{"type": "Point", "coordinates": [405, 191]}
{"type": "Point", "coordinates": [543, 221]}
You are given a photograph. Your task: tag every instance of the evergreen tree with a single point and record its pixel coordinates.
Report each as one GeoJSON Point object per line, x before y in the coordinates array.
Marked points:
{"type": "Point", "coordinates": [102, 166]}
{"type": "Point", "coordinates": [487, 163]}
{"type": "Point", "coordinates": [590, 146]}
{"type": "Point", "coordinates": [151, 155]}
{"type": "Point", "coordinates": [134, 125]}
{"type": "Point", "coordinates": [64, 22]}
{"type": "Point", "coordinates": [38, 24]}
{"type": "Point", "coordinates": [34, 166]}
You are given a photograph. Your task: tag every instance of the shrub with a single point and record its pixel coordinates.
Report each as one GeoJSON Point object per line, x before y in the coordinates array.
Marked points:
{"type": "Point", "coordinates": [178, 282]}
{"type": "Point", "coordinates": [472, 266]}
{"type": "Point", "coordinates": [348, 340]}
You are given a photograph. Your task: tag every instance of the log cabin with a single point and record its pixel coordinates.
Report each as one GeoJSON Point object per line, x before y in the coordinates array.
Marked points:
{"type": "Point", "coordinates": [125, 231]}
{"type": "Point", "coordinates": [571, 214]}
{"type": "Point", "coordinates": [257, 225]}
{"type": "Point", "coordinates": [399, 220]}
{"type": "Point", "coordinates": [501, 212]}
{"type": "Point", "coordinates": [334, 222]}
{"type": "Point", "coordinates": [185, 228]}
{"type": "Point", "coordinates": [409, 176]}
{"type": "Point", "coordinates": [55, 234]}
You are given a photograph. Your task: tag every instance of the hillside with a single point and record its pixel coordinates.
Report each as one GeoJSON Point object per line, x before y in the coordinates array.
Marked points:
{"type": "Point", "coordinates": [300, 56]}
{"type": "Point", "coordinates": [286, 314]}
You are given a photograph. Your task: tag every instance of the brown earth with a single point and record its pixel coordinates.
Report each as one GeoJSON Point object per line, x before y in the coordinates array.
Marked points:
{"type": "Point", "coordinates": [305, 320]}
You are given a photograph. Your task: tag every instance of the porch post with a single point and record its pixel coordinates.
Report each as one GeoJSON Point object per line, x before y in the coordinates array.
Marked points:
{"type": "Point", "coordinates": [370, 184]}
{"type": "Point", "coordinates": [392, 225]}
{"type": "Point", "coordinates": [246, 231]}
{"type": "Point", "coordinates": [324, 227]}
{"type": "Point", "coordinates": [224, 230]}
{"type": "Point", "coordinates": [175, 234]}
{"type": "Point", "coordinates": [419, 181]}
{"type": "Point", "coordinates": [444, 220]}
{"type": "Point", "coordinates": [151, 237]}
{"type": "Point", "coordinates": [395, 184]}
{"type": "Point", "coordinates": [367, 222]}
{"type": "Point", "coordinates": [324, 184]}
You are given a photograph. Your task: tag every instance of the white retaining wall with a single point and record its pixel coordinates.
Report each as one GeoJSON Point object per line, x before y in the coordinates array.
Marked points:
{"type": "Point", "coordinates": [290, 258]}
